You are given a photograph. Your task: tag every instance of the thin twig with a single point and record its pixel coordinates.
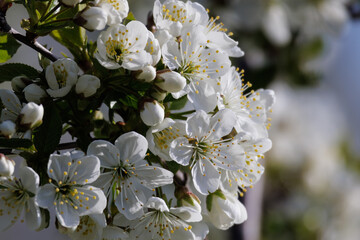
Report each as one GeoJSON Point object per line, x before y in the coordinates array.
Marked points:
{"type": "Point", "coordinates": [6, 28]}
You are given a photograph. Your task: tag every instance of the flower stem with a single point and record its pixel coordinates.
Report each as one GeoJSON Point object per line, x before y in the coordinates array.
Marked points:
{"type": "Point", "coordinates": [43, 18]}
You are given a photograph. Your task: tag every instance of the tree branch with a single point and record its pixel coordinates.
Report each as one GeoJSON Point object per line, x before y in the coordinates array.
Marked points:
{"type": "Point", "coordinates": [6, 28]}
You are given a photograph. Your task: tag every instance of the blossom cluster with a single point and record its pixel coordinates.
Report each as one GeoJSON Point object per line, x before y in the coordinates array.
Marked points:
{"type": "Point", "coordinates": [144, 168]}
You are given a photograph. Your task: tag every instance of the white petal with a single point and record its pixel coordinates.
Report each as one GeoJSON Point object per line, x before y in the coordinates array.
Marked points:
{"type": "Point", "coordinates": [157, 203]}
{"type": "Point", "coordinates": [206, 177]}
{"type": "Point", "coordinates": [114, 233]}
{"type": "Point", "coordinates": [57, 165]}
{"type": "Point", "coordinates": [107, 153]}
{"type": "Point", "coordinates": [187, 214]}
{"type": "Point", "coordinates": [96, 201]}
{"type": "Point", "coordinates": [29, 179]}
{"type": "Point", "coordinates": [10, 101]}
{"type": "Point", "coordinates": [222, 124]}
{"type": "Point", "coordinates": [32, 215]}
{"type": "Point", "coordinates": [45, 196]}
{"type": "Point", "coordinates": [132, 146]}
{"type": "Point", "coordinates": [203, 96]}
{"type": "Point", "coordinates": [154, 176]}
{"type": "Point", "coordinates": [197, 124]}
{"type": "Point", "coordinates": [87, 170]}
{"type": "Point", "coordinates": [181, 151]}
{"type": "Point", "coordinates": [67, 215]}
{"type": "Point", "coordinates": [129, 204]}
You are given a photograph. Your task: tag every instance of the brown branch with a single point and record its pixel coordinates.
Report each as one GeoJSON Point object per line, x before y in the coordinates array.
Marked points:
{"type": "Point", "coordinates": [31, 42]}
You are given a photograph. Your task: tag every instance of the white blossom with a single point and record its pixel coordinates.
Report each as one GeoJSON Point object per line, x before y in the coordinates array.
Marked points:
{"type": "Point", "coordinates": [61, 76]}
{"type": "Point", "coordinates": [161, 135]}
{"type": "Point", "coordinates": [68, 191]}
{"type": "Point", "coordinates": [252, 108]}
{"type": "Point", "coordinates": [160, 222]}
{"type": "Point", "coordinates": [152, 113]}
{"type": "Point", "coordinates": [116, 10]}
{"type": "Point", "coordinates": [34, 93]}
{"type": "Point", "coordinates": [18, 196]}
{"type": "Point", "coordinates": [7, 166]}
{"type": "Point", "coordinates": [126, 177]}
{"type": "Point", "coordinates": [198, 64]}
{"type": "Point", "coordinates": [91, 227]}
{"type": "Point", "coordinates": [31, 115]}
{"type": "Point", "coordinates": [87, 85]}
{"type": "Point", "coordinates": [124, 46]}
{"type": "Point", "coordinates": [206, 149]}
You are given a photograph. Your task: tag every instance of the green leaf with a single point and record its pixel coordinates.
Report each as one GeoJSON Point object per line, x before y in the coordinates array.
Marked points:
{"type": "Point", "coordinates": [173, 166]}
{"type": "Point", "coordinates": [47, 136]}
{"type": "Point", "coordinates": [178, 104]}
{"type": "Point", "coordinates": [130, 101]}
{"type": "Point", "coordinates": [8, 47]}
{"type": "Point", "coordinates": [209, 200]}
{"type": "Point", "coordinates": [15, 143]}
{"type": "Point", "coordinates": [129, 18]}
{"type": "Point", "coordinates": [11, 70]}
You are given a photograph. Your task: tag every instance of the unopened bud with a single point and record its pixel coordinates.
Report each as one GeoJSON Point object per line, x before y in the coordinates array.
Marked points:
{"type": "Point", "coordinates": [152, 113]}
{"type": "Point", "coordinates": [7, 166]}
{"type": "Point", "coordinates": [34, 93]}
{"type": "Point", "coordinates": [18, 83]}
{"type": "Point", "coordinates": [171, 81]}
{"type": "Point", "coordinates": [92, 18]}
{"type": "Point", "coordinates": [147, 74]}
{"type": "Point", "coordinates": [7, 128]}
{"type": "Point", "coordinates": [87, 85]}
{"type": "Point", "coordinates": [31, 115]}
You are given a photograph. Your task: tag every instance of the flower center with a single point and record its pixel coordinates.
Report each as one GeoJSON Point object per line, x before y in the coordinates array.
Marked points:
{"type": "Point", "coordinates": [61, 75]}
{"type": "Point", "coordinates": [174, 13]}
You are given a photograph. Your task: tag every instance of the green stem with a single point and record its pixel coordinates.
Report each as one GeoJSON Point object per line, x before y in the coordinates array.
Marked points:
{"type": "Point", "coordinates": [57, 20]}
{"type": "Point", "coordinates": [43, 18]}
{"type": "Point", "coordinates": [47, 9]}
{"type": "Point", "coordinates": [59, 13]}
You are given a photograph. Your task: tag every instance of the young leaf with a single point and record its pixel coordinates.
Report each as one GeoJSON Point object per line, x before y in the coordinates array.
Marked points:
{"type": "Point", "coordinates": [8, 47]}
{"type": "Point", "coordinates": [11, 70]}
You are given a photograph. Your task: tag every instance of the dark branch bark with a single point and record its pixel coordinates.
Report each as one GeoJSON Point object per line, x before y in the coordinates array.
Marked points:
{"type": "Point", "coordinates": [31, 42]}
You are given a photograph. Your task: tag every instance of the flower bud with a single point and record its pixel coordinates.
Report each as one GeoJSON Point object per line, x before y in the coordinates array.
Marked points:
{"type": "Point", "coordinates": [31, 115]}
{"type": "Point", "coordinates": [171, 81]}
{"type": "Point", "coordinates": [92, 18]}
{"type": "Point", "coordinates": [158, 94]}
{"type": "Point", "coordinates": [224, 209]}
{"type": "Point", "coordinates": [152, 113]}
{"type": "Point", "coordinates": [147, 74]}
{"type": "Point", "coordinates": [70, 3]}
{"type": "Point", "coordinates": [7, 166]}
{"type": "Point", "coordinates": [18, 83]}
{"type": "Point", "coordinates": [7, 128]}
{"type": "Point", "coordinates": [87, 85]}
{"type": "Point", "coordinates": [34, 93]}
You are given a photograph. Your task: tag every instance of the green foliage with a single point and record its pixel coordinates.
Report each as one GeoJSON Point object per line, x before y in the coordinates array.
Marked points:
{"type": "Point", "coordinates": [15, 143]}
{"type": "Point", "coordinates": [47, 136]}
{"type": "Point", "coordinates": [178, 104]}
{"type": "Point", "coordinates": [11, 70]}
{"type": "Point", "coordinates": [8, 47]}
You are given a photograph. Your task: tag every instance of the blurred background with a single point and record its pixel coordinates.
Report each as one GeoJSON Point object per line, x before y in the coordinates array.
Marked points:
{"type": "Point", "coordinates": [308, 52]}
